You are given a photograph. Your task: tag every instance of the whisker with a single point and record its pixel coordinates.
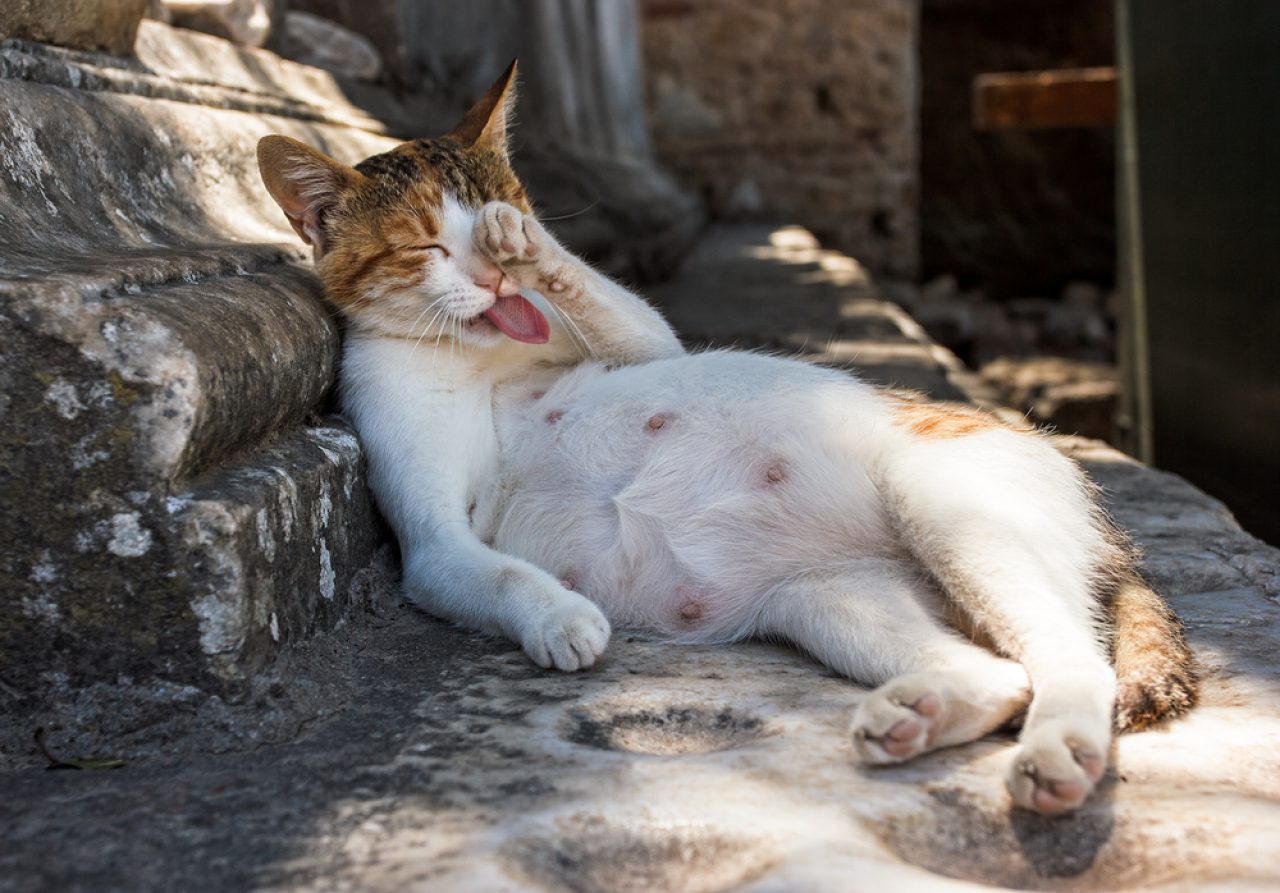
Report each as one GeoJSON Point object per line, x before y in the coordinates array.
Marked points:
{"type": "Point", "coordinates": [542, 219]}
{"type": "Point", "coordinates": [575, 331]}
{"type": "Point", "coordinates": [437, 303]}
{"type": "Point", "coordinates": [442, 309]}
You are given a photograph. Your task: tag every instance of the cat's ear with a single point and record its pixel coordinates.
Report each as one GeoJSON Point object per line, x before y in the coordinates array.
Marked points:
{"type": "Point", "coordinates": [485, 125]}
{"type": "Point", "coordinates": [305, 183]}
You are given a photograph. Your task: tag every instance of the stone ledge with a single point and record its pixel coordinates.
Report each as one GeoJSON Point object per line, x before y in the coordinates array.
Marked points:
{"type": "Point", "coordinates": [178, 377]}
{"type": "Point", "coordinates": [185, 66]}
{"type": "Point", "coordinates": [109, 26]}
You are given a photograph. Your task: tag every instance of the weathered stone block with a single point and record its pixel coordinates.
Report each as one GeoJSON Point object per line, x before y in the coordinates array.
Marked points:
{"type": "Point", "coordinates": [170, 507]}
{"type": "Point", "coordinates": [108, 25]}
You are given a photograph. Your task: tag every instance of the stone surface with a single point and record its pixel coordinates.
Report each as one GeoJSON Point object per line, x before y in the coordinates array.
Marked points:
{"type": "Point", "coordinates": [246, 22]}
{"type": "Point", "coordinates": [185, 66]}
{"type": "Point", "coordinates": [775, 289]}
{"type": "Point", "coordinates": [107, 25]}
{"type": "Point", "coordinates": [799, 110]}
{"type": "Point", "coordinates": [1070, 396]}
{"type": "Point", "coordinates": [312, 40]}
{"type": "Point", "coordinates": [400, 753]}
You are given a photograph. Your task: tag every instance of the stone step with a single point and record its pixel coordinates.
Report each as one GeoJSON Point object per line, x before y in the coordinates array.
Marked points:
{"type": "Point", "coordinates": [170, 513]}
{"type": "Point", "coordinates": [175, 376]}
{"type": "Point", "coordinates": [114, 578]}
{"type": "Point", "coordinates": [626, 214]}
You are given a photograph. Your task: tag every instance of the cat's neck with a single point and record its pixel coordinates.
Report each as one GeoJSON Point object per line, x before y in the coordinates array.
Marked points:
{"type": "Point", "coordinates": [444, 364]}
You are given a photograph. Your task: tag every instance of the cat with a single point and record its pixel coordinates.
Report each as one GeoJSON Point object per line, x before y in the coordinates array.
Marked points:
{"type": "Point", "coordinates": [554, 463]}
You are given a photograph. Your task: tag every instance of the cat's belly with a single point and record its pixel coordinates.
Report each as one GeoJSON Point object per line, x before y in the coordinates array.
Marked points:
{"type": "Point", "coordinates": [678, 493]}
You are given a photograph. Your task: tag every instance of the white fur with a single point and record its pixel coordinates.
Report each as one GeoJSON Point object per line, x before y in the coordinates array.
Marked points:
{"type": "Point", "coordinates": [716, 496]}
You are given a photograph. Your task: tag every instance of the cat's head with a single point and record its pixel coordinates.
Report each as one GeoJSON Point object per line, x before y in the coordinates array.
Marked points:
{"type": "Point", "coordinates": [393, 235]}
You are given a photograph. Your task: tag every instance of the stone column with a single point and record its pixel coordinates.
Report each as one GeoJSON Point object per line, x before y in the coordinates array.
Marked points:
{"type": "Point", "coordinates": [581, 83]}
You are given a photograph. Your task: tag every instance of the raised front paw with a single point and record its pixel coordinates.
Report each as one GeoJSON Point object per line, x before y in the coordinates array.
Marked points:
{"type": "Point", "coordinates": [569, 636]}
{"type": "Point", "coordinates": [507, 235]}
{"type": "Point", "coordinates": [518, 244]}
{"type": "Point", "coordinates": [1056, 767]}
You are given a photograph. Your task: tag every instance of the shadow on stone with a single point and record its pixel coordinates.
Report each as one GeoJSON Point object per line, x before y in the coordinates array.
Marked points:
{"type": "Point", "coordinates": [672, 731]}
{"type": "Point", "coordinates": [1094, 849]}
{"type": "Point", "coordinates": [590, 853]}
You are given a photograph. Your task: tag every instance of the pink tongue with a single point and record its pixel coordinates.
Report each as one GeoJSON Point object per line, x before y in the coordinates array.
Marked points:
{"type": "Point", "coordinates": [517, 318]}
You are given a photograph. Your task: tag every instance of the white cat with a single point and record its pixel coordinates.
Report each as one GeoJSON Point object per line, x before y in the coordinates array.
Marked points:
{"type": "Point", "coordinates": [549, 477]}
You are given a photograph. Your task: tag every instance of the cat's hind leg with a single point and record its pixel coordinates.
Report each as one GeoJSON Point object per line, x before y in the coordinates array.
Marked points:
{"type": "Point", "coordinates": [872, 620]}
{"type": "Point", "coordinates": [1007, 526]}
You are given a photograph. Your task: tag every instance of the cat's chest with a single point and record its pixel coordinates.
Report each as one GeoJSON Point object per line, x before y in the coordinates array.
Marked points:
{"type": "Point", "coordinates": [588, 424]}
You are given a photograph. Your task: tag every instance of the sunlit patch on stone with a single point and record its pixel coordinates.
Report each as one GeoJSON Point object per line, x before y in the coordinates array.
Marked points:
{"type": "Point", "coordinates": [967, 837]}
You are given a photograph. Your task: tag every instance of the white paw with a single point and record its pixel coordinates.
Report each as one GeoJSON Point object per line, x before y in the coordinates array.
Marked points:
{"type": "Point", "coordinates": [1056, 767]}
{"type": "Point", "coordinates": [501, 231]}
{"type": "Point", "coordinates": [899, 720]}
{"type": "Point", "coordinates": [568, 636]}
{"type": "Point", "coordinates": [518, 244]}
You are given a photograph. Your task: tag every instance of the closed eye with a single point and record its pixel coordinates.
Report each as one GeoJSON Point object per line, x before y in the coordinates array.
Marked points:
{"type": "Point", "coordinates": [444, 252]}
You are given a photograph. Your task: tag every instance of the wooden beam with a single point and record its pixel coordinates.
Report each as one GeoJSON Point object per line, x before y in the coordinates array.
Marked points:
{"type": "Point", "coordinates": [1027, 100]}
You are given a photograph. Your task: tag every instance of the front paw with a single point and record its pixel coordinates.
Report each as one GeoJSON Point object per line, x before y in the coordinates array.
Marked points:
{"type": "Point", "coordinates": [518, 244]}
{"type": "Point", "coordinates": [569, 636]}
{"type": "Point", "coordinates": [507, 236]}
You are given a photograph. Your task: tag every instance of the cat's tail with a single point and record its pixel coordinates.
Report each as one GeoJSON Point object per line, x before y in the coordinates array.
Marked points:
{"type": "Point", "coordinates": [1156, 673]}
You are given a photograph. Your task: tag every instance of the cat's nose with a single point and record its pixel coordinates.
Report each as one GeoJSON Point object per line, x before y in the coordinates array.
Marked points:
{"type": "Point", "coordinates": [490, 278]}
{"type": "Point", "coordinates": [496, 282]}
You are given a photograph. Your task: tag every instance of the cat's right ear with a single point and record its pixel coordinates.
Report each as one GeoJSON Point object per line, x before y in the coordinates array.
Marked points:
{"type": "Point", "coordinates": [305, 183]}
{"type": "Point", "coordinates": [486, 124]}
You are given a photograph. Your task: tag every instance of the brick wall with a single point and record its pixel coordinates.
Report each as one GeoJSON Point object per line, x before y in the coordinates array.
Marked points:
{"type": "Point", "coordinates": [796, 110]}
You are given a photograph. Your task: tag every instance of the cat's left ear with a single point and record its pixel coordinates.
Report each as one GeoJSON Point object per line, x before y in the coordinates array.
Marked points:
{"type": "Point", "coordinates": [305, 183]}
{"type": "Point", "coordinates": [484, 126]}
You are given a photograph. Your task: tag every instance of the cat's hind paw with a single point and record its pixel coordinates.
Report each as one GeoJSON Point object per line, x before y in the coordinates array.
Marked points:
{"type": "Point", "coordinates": [1055, 769]}
{"type": "Point", "coordinates": [896, 722]}
{"type": "Point", "coordinates": [568, 637]}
